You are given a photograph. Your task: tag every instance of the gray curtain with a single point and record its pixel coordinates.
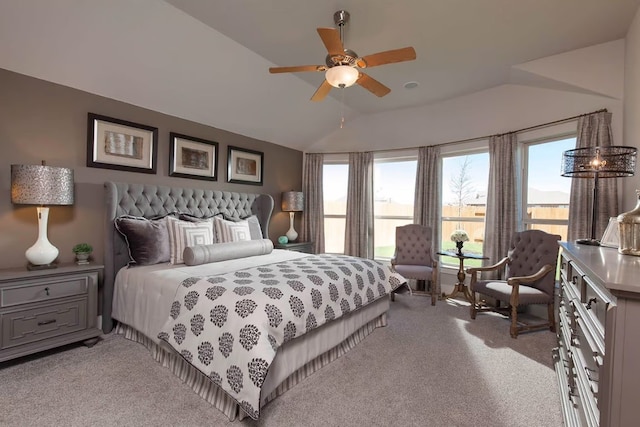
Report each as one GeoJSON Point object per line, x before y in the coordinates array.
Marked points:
{"type": "Point", "coordinates": [359, 228]}
{"type": "Point", "coordinates": [313, 217]}
{"type": "Point", "coordinates": [426, 207]}
{"type": "Point", "coordinates": [502, 197]}
{"type": "Point", "coordinates": [594, 130]}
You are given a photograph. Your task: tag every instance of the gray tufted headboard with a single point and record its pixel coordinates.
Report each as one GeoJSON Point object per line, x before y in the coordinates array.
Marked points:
{"type": "Point", "coordinates": [150, 201]}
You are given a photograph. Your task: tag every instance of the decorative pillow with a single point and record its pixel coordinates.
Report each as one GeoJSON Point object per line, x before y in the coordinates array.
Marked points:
{"type": "Point", "coordinates": [254, 225]}
{"type": "Point", "coordinates": [147, 240]}
{"type": "Point", "coordinates": [203, 254]}
{"type": "Point", "coordinates": [230, 231]}
{"type": "Point", "coordinates": [193, 218]}
{"type": "Point", "coordinates": [185, 233]}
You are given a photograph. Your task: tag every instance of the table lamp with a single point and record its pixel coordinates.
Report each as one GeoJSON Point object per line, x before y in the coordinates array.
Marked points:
{"type": "Point", "coordinates": [598, 162]}
{"type": "Point", "coordinates": [41, 185]}
{"type": "Point", "coordinates": [292, 202]}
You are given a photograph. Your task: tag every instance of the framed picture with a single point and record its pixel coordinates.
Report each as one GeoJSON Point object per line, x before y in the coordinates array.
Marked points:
{"type": "Point", "coordinates": [122, 145]}
{"type": "Point", "coordinates": [193, 157]}
{"type": "Point", "coordinates": [611, 235]}
{"type": "Point", "coordinates": [244, 166]}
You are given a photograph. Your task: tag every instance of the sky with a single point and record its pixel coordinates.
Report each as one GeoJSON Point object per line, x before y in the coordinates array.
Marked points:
{"type": "Point", "coordinates": [395, 181]}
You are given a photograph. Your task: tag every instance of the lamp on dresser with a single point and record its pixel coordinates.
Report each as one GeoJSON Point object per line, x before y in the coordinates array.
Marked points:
{"type": "Point", "coordinates": [292, 202]}
{"type": "Point", "coordinates": [614, 161]}
{"type": "Point", "coordinates": [41, 185]}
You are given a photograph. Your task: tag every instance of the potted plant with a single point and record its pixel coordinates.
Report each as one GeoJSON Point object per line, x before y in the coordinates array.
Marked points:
{"type": "Point", "coordinates": [82, 251]}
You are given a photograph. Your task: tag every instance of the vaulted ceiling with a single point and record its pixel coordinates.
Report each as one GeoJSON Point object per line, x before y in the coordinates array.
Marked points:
{"type": "Point", "coordinates": [208, 61]}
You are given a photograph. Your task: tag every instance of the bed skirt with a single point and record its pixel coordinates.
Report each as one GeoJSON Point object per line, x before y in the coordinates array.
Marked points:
{"type": "Point", "coordinates": [217, 397]}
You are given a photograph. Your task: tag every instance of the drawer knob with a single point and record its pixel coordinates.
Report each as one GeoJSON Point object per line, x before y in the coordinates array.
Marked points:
{"type": "Point", "coordinates": [47, 290]}
{"type": "Point", "coordinates": [591, 301]}
{"type": "Point", "coordinates": [46, 322]}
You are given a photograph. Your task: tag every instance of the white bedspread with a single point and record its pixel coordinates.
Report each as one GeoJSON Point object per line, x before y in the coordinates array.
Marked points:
{"type": "Point", "coordinates": [143, 295]}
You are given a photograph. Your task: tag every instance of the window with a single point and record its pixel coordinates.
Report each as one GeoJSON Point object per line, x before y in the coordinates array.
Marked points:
{"type": "Point", "coordinates": [335, 177]}
{"type": "Point", "coordinates": [545, 193]}
{"type": "Point", "coordinates": [465, 180]}
{"type": "Point", "coordinates": [394, 183]}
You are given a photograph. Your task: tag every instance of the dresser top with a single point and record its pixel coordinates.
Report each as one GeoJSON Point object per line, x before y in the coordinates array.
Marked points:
{"type": "Point", "coordinates": [616, 271]}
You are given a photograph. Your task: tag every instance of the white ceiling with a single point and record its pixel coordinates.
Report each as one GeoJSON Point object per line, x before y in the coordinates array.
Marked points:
{"type": "Point", "coordinates": [159, 55]}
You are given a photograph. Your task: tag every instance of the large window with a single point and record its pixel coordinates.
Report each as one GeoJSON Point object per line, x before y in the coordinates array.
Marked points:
{"type": "Point", "coordinates": [394, 182]}
{"type": "Point", "coordinates": [334, 182]}
{"type": "Point", "coordinates": [465, 180]}
{"type": "Point", "coordinates": [545, 192]}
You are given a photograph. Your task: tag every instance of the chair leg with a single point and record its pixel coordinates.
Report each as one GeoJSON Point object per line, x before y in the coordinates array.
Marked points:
{"type": "Point", "coordinates": [473, 308]}
{"type": "Point", "coordinates": [393, 296]}
{"type": "Point", "coordinates": [552, 319]}
{"type": "Point", "coordinates": [514, 321]}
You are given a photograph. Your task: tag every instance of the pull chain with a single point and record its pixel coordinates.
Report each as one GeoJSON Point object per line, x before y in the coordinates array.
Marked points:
{"type": "Point", "coordinates": [342, 108]}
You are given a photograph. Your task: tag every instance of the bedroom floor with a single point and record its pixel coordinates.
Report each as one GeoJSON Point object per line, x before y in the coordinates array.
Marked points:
{"type": "Point", "coordinates": [431, 366]}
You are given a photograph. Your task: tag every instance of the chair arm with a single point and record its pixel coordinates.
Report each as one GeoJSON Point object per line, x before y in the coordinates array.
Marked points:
{"type": "Point", "coordinates": [517, 280]}
{"type": "Point", "coordinates": [393, 260]}
{"type": "Point", "coordinates": [501, 263]}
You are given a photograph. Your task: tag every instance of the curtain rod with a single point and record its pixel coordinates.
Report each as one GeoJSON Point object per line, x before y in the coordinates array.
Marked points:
{"type": "Point", "coordinates": [555, 122]}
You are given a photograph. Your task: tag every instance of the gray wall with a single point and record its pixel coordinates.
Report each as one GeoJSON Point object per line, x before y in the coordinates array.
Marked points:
{"type": "Point", "coordinates": [45, 121]}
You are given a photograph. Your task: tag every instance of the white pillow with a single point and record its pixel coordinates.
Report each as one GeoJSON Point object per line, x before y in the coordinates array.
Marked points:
{"type": "Point", "coordinates": [185, 233]}
{"type": "Point", "coordinates": [230, 231]}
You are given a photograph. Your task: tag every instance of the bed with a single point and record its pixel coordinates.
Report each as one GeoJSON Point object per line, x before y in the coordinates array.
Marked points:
{"type": "Point", "coordinates": [140, 301]}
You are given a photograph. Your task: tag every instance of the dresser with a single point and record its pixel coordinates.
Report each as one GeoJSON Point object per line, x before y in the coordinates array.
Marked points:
{"type": "Point", "coordinates": [43, 309]}
{"type": "Point", "coordinates": [598, 355]}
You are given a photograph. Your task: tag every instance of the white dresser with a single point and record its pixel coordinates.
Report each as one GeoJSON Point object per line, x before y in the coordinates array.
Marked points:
{"type": "Point", "coordinates": [598, 355]}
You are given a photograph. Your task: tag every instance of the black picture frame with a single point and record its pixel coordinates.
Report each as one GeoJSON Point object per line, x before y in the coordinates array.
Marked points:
{"type": "Point", "coordinates": [245, 166]}
{"type": "Point", "coordinates": [121, 145]}
{"type": "Point", "coordinates": [192, 157]}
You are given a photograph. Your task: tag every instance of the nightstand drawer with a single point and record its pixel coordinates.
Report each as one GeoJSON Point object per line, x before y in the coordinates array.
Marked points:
{"type": "Point", "coordinates": [43, 290]}
{"type": "Point", "coordinates": [25, 326]}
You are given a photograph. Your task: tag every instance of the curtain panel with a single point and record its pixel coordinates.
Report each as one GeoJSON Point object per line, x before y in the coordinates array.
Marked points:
{"type": "Point", "coordinates": [313, 218]}
{"type": "Point", "coordinates": [359, 221]}
{"type": "Point", "coordinates": [502, 198]}
{"type": "Point", "coordinates": [427, 200]}
{"type": "Point", "coordinates": [594, 130]}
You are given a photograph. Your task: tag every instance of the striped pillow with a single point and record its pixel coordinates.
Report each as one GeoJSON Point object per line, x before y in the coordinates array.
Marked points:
{"type": "Point", "coordinates": [229, 231]}
{"type": "Point", "coordinates": [185, 233]}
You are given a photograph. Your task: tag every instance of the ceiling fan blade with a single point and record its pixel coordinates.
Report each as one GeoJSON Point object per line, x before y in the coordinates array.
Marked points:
{"type": "Point", "coordinates": [331, 39]}
{"type": "Point", "coordinates": [297, 69]}
{"type": "Point", "coordinates": [372, 85]}
{"type": "Point", "coordinates": [322, 91]}
{"type": "Point", "coordinates": [387, 57]}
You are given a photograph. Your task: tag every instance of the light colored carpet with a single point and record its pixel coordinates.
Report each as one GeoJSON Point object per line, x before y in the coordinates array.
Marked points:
{"type": "Point", "coordinates": [432, 366]}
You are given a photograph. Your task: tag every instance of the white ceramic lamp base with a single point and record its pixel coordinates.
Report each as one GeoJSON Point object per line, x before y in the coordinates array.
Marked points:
{"type": "Point", "coordinates": [42, 253]}
{"type": "Point", "coordinates": [291, 234]}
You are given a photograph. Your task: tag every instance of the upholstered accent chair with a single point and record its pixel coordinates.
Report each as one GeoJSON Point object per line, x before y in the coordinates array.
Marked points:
{"type": "Point", "coordinates": [529, 279]}
{"type": "Point", "coordinates": [413, 258]}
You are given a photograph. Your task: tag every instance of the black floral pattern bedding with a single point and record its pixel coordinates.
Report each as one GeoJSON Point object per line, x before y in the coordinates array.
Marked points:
{"type": "Point", "coordinates": [229, 326]}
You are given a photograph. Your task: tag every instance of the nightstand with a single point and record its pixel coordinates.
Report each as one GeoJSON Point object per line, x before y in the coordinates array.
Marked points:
{"type": "Point", "coordinates": [306, 247]}
{"type": "Point", "coordinates": [43, 309]}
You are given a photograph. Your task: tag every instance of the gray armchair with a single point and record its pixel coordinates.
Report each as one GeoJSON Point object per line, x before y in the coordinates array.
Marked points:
{"type": "Point", "coordinates": [413, 258]}
{"type": "Point", "coordinates": [529, 279]}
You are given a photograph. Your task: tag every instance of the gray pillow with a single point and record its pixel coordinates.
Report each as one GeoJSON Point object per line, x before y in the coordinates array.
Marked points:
{"type": "Point", "coordinates": [203, 254]}
{"type": "Point", "coordinates": [147, 240]}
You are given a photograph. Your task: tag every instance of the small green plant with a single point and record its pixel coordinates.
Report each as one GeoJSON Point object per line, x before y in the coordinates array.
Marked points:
{"type": "Point", "coordinates": [82, 248]}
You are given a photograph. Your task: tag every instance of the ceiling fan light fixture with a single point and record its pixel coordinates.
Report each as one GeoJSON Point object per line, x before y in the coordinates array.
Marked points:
{"type": "Point", "coordinates": [342, 76]}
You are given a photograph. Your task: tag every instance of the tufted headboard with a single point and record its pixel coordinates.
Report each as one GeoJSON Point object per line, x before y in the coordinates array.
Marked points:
{"type": "Point", "coordinates": [150, 201]}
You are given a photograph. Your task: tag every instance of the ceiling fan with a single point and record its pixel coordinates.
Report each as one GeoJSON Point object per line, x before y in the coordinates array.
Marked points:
{"type": "Point", "coordinates": [342, 65]}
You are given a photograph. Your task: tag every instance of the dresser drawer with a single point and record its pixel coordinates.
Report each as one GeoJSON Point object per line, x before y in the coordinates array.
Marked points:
{"type": "Point", "coordinates": [45, 289]}
{"type": "Point", "coordinates": [25, 326]}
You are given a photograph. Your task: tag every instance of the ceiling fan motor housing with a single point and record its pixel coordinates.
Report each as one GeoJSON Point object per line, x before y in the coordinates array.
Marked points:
{"type": "Point", "coordinates": [349, 58]}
